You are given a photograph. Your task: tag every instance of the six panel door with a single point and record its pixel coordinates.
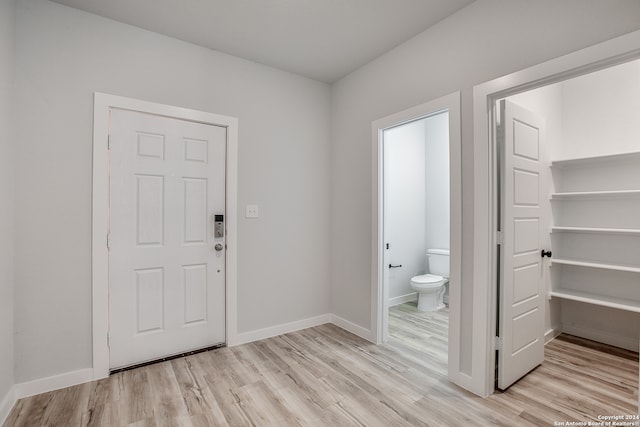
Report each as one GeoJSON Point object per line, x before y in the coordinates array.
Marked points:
{"type": "Point", "coordinates": [166, 278]}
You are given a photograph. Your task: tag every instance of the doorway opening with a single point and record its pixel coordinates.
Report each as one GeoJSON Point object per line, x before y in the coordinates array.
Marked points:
{"type": "Point", "coordinates": [485, 237]}
{"type": "Point", "coordinates": [417, 232]}
{"type": "Point", "coordinates": [587, 195]}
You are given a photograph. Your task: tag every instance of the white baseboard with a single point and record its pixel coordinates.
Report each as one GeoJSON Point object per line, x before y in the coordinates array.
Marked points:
{"type": "Point", "coordinates": [43, 385]}
{"type": "Point", "coordinates": [358, 330]}
{"type": "Point", "coordinates": [551, 334]}
{"type": "Point", "coordinates": [626, 342]}
{"type": "Point", "coordinates": [7, 403]}
{"type": "Point", "coordinates": [402, 299]}
{"type": "Point", "coordinates": [272, 331]}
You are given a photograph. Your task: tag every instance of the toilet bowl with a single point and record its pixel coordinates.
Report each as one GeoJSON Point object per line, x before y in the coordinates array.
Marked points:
{"type": "Point", "coordinates": [430, 288]}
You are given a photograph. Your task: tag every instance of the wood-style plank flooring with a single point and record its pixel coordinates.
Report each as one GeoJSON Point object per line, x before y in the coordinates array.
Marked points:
{"type": "Point", "coordinates": [324, 376]}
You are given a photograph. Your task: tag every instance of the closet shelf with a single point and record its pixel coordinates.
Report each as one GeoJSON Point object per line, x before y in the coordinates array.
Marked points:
{"type": "Point", "coordinates": [596, 299]}
{"type": "Point", "coordinates": [596, 230]}
{"type": "Point", "coordinates": [595, 265]}
{"type": "Point", "coordinates": [593, 237]}
{"type": "Point", "coordinates": [613, 194]}
{"type": "Point", "coordinates": [595, 159]}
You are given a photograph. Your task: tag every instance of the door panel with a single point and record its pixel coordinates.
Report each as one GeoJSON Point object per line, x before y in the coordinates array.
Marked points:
{"type": "Point", "coordinates": [166, 280]}
{"type": "Point", "coordinates": [525, 188]}
{"type": "Point", "coordinates": [150, 298]}
{"type": "Point", "coordinates": [521, 314]}
{"type": "Point", "coordinates": [195, 210]}
{"type": "Point", "coordinates": [149, 207]}
{"type": "Point", "coordinates": [527, 278]}
{"type": "Point", "coordinates": [525, 235]}
{"type": "Point", "coordinates": [195, 293]}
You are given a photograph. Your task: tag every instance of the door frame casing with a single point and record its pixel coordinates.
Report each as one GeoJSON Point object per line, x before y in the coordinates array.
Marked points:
{"type": "Point", "coordinates": [485, 269]}
{"type": "Point", "coordinates": [379, 292]}
{"type": "Point", "coordinates": [100, 205]}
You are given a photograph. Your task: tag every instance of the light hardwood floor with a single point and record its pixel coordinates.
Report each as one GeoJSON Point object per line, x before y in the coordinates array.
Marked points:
{"type": "Point", "coordinates": [325, 376]}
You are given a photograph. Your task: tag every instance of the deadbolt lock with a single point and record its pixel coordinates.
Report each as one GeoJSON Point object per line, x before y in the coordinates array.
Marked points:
{"type": "Point", "coordinates": [218, 225]}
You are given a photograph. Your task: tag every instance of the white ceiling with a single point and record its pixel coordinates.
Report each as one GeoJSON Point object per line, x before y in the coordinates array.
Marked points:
{"type": "Point", "coordinates": [321, 39]}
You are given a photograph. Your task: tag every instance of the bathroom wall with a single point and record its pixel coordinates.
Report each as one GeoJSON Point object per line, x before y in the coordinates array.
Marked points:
{"type": "Point", "coordinates": [404, 201]}
{"type": "Point", "coordinates": [437, 181]}
{"type": "Point", "coordinates": [416, 198]}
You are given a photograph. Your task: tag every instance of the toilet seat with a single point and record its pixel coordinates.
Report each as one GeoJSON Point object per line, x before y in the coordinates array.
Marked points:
{"type": "Point", "coordinates": [428, 281]}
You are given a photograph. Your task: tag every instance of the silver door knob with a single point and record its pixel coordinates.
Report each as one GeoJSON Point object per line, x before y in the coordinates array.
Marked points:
{"type": "Point", "coordinates": [218, 247]}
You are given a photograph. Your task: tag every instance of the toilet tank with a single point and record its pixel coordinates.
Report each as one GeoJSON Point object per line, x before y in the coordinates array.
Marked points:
{"type": "Point", "coordinates": [438, 262]}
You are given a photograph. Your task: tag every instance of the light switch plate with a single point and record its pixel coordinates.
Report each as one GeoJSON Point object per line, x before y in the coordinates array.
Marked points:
{"type": "Point", "coordinates": [251, 211]}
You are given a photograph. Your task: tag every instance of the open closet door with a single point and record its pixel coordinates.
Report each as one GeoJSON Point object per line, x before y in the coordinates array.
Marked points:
{"type": "Point", "coordinates": [521, 297]}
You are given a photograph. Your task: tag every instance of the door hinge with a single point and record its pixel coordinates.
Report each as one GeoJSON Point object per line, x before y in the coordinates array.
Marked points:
{"type": "Point", "coordinates": [108, 242]}
{"type": "Point", "coordinates": [109, 142]}
{"type": "Point", "coordinates": [108, 340]}
{"type": "Point", "coordinates": [498, 343]}
{"type": "Point", "coordinates": [499, 237]}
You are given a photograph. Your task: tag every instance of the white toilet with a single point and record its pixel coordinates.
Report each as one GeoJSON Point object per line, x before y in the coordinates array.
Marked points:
{"type": "Point", "coordinates": [431, 287]}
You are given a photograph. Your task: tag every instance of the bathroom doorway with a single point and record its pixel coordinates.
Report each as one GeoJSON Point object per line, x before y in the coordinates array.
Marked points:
{"type": "Point", "coordinates": [417, 230]}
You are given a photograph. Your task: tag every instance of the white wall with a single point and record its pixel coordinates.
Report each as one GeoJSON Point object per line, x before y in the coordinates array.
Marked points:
{"type": "Point", "coordinates": [600, 112]}
{"type": "Point", "coordinates": [437, 182]}
{"type": "Point", "coordinates": [63, 56]}
{"type": "Point", "coordinates": [483, 41]}
{"type": "Point", "coordinates": [7, 144]}
{"type": "Point", "coordinates": [405, 203]}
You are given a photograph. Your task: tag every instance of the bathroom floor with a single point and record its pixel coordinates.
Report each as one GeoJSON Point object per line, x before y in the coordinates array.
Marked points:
{"type": "Point", "coordinates": [421, 334]}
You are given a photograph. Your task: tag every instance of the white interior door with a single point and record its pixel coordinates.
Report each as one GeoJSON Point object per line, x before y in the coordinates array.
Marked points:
{"type": "Point", "coordinates": [166, 275]}
{"type": "Point", "coordinates": [521, 314]}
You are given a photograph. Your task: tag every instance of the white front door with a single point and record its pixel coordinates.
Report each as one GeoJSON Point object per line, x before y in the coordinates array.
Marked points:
{"type": "Point", "coordinates": [166, 264]}
{"type": "Point", "coordinates": [521, 314]}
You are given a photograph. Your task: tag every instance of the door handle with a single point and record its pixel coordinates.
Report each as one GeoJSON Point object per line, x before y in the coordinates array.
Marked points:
{"type": "Point", "coordinates": [395, 266]}
{"type": "Point", "coordinates": [544, 253]}
{"type": "Point", "coordinates": [218, 247]}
